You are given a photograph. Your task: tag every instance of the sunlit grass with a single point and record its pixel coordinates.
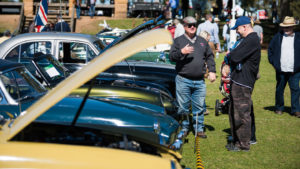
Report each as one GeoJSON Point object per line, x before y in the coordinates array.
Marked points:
{"type": "Point", "coordinates": [278, 136]}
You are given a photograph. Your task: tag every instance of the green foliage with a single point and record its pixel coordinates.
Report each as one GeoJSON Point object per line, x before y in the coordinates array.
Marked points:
{"type": "Point", "coordinates": [277, 135]}
{"type": "Point", "coordinates": [295, 8]}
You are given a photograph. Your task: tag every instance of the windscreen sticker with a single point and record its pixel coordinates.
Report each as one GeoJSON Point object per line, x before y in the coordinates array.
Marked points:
{"type": "Point", "coordinates": [51, 70]}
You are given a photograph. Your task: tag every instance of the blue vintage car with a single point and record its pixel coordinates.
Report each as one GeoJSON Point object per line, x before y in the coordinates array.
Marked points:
{"type": "Point", "coordinates": [19, 89]}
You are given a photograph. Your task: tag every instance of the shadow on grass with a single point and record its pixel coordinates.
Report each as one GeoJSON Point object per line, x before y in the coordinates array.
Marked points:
{"type": "Point", "coordinates": [227, 131]}
{"type": "Point", "coordinates": [209, 127]}
{"type": "Point", "coordinates": [285, 110]}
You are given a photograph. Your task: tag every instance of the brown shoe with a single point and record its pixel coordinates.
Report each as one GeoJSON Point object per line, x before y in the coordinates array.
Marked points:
{"type": "Point", "coordinates": [201, 134]}
{"type": "Point", "coordinates": [206, 113]}
{"type": "Point", "coordinates": [297, 114]}
{"type": "Point", "coordinates": [278, 112]}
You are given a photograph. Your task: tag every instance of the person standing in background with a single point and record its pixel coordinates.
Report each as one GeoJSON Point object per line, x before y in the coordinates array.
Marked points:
{"type": "Point", "coordinates": [77, 4]}
{"type": "Point", "coordinates": [226, 35]}
{"type": "Point", "coordinates": [91, 6]}
{"type": "Point", "coordinates": [259, 30]}
{"type": "Point", "coordinates": [216, 23]}
{"type": "Point", "coordinates": [284, 56]}
{"type": "Point", "coordinates": [61, 25]}
{"type": "Point", "coordinates": [209, 27]}
{"type": "Point", "coordinates": [174, 5]}
{"type": "Point", "coordinates": [179, 28]}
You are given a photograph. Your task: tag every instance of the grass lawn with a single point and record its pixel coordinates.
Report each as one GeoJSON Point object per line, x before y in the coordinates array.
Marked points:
{"type": "Point", "coordinates": [278, 136]}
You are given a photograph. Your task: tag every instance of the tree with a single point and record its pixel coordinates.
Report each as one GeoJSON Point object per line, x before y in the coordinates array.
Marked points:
{"type": "Point", "coordinates": [295, 8]}
{"type": "Point", "coordinates": [285, 9]}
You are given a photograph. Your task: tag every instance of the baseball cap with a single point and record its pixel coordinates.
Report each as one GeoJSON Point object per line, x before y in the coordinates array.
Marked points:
{"type": "Point", "coordinates": [243, 20]}
{"type": "Point", "coordinates": [189, 20]}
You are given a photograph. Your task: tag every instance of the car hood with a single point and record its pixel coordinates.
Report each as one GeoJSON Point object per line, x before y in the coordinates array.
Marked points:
{"type": "Point", "coordinates": [110, 112]}
{"type": "Point", "coordinates": [80, 77]}
{"type": "Point", "coordinates": [51, 156]}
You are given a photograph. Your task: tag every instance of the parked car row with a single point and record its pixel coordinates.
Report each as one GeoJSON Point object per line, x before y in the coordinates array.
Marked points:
{"type": "Point", "coordinates": [114, 112]}
{"type": "Point", "coordinates": [71, 122]}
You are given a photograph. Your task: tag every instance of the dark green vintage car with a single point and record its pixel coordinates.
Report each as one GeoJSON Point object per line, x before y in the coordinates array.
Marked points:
{"type": "Point", "coordinates": [19, 89]}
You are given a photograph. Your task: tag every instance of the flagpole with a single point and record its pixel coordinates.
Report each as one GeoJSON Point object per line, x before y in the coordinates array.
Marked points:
{"type": "Point", "coordinates": [61, 26]}
{"type": "Point", "coordinates": [232, 23]}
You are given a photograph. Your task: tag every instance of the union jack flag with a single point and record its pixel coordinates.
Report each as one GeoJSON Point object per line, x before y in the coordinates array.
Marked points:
{"type": "Point", "coordinates": [41, 16]}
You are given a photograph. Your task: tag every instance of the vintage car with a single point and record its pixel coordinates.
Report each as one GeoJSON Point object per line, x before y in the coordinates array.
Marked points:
{"type": "Point", "coordinates": [30, 126]}
{"type": "Point", "coordinates": [76, 50]}
{"type": "Point", "coordinates": [50, 72]}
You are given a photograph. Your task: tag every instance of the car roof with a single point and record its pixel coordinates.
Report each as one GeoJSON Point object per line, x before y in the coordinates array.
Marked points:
{"type": "Point", "coordinates": [4, 65]}
{"type": "Point", "coordinates": [45, 35]}
{"type": "Point", "coordinates": [55, 35]}
{"type": "Point", "coordinates": [49, 36]}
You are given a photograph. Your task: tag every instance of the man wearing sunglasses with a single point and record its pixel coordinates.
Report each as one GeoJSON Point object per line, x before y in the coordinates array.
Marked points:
{"type": "Point", "coordinates": [191, 52]}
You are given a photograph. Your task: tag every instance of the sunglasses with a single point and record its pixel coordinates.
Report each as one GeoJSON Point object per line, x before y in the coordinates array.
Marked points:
{"type": "Point", "coordinates": [190, 25]}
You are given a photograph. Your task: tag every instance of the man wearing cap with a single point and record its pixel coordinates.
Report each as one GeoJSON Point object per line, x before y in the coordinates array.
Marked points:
{"type": "Point", "coordinates": [284, 55]}
{"type": "Point", "coordinates": [190, 52]}
{"type": "Point", "coordinates": [244, 62]}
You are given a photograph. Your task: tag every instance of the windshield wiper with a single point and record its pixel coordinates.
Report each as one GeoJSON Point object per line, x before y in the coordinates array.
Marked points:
{"type": "Point", "coordinates": [26, 97]}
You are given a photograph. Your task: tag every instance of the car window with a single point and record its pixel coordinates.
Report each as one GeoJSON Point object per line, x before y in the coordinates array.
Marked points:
{"type": "Point", "coordinates": [31, 48]}
{"type": "Point", "coordinates": [99, 46]}
{"type": "Point", "coordinates": [13, 55]}
{"type": "Point", "coordinates": [10, 84]}
{"type": "Point", "coordinates": [27, 50]}
{"type": "Point", "coordinates": [73, 52]}
{"type": "Point", "coordinates": [20, 84]}
{"type": "Point", "coordinates": [49, 70]}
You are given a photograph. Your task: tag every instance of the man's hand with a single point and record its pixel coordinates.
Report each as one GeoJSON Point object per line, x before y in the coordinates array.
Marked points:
{"type": "Point", "coordinates": [211, 76]}
{"type": "Point", "coordinates": [187, 49]}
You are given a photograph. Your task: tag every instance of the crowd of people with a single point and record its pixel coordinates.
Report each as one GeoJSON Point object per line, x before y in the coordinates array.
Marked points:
{"type": "Point", "coordinates": [193, 51]}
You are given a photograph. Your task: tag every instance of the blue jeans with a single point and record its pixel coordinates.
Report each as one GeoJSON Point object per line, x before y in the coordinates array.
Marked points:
{"type": "Point", "coordinates": [191, 94]}
{"type": "Point", "coordinates": [78, 12]}
{"type": "Point", "coordinates": [226, 43]}
{"type": "Point", "coordinates": [92, 10]}
{"type": "Point", "coordinates": [293, 80]}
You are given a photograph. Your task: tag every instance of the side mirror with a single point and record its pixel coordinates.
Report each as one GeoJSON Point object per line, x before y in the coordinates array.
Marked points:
{"type": "Point", "coordinates": [6, 117]}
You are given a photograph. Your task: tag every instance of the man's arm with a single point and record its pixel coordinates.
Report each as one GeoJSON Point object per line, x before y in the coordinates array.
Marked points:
{"type": "Point", "coordinates": [271, 50]}
{"type": "Point", "coordinates": [175, 52]}
{"type": "Point", "coordinates": [244, 49]}
{"type": "Point", "coordinates": [216, 37]}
